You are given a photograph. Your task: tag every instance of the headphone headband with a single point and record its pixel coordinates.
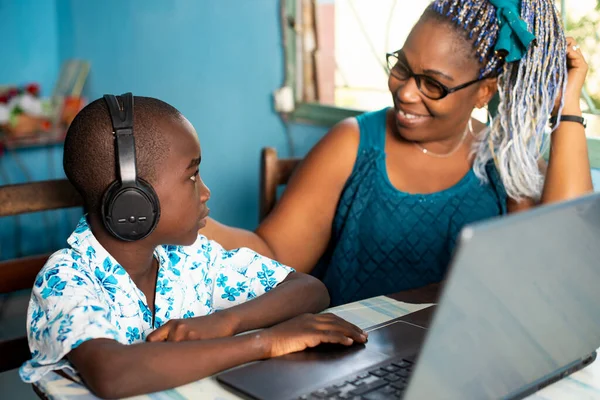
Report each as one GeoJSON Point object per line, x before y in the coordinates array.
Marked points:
{"type": "Point", "coordinates": [122, 121]}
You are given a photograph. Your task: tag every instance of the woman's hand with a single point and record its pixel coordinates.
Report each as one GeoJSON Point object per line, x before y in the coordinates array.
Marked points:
{"type": "Point", "coordinates": [577, 69]}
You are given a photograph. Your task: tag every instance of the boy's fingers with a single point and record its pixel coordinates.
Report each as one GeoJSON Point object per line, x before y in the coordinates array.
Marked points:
{"type": "Point", "coordinates": [353, 332]}
{"type": "Point", "coordinates": [335, 337]}
{"type": "Point", "coordinates": [329, 317]}
{"type": "Point", "coordinates": [159, 335]}
{"type": "Point", "coordinates": [176, 335]}
{"type": "Point", "coordinates": [345, 327]}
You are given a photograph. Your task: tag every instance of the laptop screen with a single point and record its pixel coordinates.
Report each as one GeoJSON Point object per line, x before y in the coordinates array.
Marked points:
{"type": "Point", "coordinates": [522, 302]}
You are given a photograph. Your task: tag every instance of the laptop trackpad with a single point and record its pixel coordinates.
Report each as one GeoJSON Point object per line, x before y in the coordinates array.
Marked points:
{"type": "Point", "coordinates": [397, 338]}
{"type": "Point", "coordinates": [294, 374]}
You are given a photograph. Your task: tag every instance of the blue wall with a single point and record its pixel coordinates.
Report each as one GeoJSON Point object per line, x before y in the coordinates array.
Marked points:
{"type": "Point", "coordinates": [29, 43]}
{"type": "Point", "coordinates": [218, 62]}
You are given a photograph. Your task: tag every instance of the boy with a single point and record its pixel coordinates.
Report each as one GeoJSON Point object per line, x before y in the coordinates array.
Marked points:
{"type": "Point", "coordinates": [132, 315]}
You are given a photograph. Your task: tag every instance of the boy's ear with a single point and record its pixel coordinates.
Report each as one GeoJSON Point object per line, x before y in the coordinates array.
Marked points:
{"type": "Point", "coordinates": [487, 90]}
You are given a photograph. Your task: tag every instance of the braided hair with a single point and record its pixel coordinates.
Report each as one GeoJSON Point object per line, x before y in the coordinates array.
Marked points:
{"type": "Point", "coordinates": [516, 138]}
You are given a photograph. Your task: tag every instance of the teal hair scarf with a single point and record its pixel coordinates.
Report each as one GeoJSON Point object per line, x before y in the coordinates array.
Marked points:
{"type": "Point", "coordinates": [513, 36]}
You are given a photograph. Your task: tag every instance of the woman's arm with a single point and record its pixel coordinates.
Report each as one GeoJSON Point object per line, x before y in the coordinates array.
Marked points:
{"type": "Point", "coordinates": [298, 229]}
{"type": "Point", "coordinates": [568, 172]}
{"type": "Point", "coordinates": [233, 238]}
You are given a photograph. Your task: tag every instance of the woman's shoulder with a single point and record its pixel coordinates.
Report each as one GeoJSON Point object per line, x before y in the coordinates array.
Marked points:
{"type": "Point", "coordinates": [346, 135]}
{"type": "Point", "coordinates": [340, 142]}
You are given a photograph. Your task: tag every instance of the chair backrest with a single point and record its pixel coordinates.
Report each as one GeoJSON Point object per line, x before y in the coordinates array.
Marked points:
{"type": "Point", "coordinates": [19, 274]}
{"type": "Point", "coordinates": [274, 172]}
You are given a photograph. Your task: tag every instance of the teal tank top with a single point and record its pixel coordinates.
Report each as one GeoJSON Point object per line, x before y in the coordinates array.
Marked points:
{"type": "Point", "coordinates": [384, 240]}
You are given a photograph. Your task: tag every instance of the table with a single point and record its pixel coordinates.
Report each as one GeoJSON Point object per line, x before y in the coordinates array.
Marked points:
{"type": "Point", "coordinates": [584, 384]}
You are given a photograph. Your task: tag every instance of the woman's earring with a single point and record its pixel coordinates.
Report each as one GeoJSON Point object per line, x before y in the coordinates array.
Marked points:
{"type": "Point", "coordinates": [489, 115]}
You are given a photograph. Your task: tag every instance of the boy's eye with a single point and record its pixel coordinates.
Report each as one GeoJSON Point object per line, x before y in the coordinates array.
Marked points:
{"type": "Point", "coordinates": [194, 177]}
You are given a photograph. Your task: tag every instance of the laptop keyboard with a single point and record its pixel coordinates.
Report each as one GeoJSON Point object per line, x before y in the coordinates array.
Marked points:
{"type": "Point", "coordinates": [382, 383]}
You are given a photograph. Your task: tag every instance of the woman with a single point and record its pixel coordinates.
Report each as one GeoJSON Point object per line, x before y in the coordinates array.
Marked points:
{"type": "Point", "coordinates": [378, 202]}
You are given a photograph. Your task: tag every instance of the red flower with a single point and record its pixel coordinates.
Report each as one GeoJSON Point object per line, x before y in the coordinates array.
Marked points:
{"type": "Point", "coordinates": [33, 89]}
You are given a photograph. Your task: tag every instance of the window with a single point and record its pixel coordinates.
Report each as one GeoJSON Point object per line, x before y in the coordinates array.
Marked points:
{"type": "Point", "coordinates": [582, 18]}
{"type": "Point", "coordinates": [340, 46]}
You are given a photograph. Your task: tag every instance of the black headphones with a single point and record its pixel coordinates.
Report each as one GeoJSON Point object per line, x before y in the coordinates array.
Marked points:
{"type": "Point", "coordinates": [130, 207]}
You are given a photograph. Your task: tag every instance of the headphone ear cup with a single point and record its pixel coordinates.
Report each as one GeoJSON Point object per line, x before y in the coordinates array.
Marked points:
{"type": "Point", "coordinates": [147, 187]}
{"type": "Point", "coordinates": [132, 212]}
{"type": "Point", "coordinates": [106, 206]}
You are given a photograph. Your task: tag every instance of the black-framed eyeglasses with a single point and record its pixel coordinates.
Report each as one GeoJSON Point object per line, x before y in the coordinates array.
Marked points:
{"type": "Point", "coordinates": [430, 87]}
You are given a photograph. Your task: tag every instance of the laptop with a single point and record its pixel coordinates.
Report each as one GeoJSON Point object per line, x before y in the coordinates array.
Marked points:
{"type": "Point", "coordinates": [520, 310]}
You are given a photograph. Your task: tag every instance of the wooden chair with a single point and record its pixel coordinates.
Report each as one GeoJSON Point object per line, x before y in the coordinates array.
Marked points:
{"type": "Point", "coordinates": [274, 172]}
{"type": "Point", "coordinates": [19, 274]}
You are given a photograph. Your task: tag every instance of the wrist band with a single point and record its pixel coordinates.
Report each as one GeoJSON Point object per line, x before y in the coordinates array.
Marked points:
{"type": "Point", "coordinates": [569, 118]}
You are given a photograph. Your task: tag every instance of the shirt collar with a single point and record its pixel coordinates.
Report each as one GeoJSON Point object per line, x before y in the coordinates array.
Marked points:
{"type": "Point", "coordinates": [83, 241]}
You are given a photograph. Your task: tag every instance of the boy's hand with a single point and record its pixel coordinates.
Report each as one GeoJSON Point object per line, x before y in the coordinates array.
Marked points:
{"type": "Point", "coordinates": [310, 330]}
{"type": "Point", "coordinates": [212, 326]}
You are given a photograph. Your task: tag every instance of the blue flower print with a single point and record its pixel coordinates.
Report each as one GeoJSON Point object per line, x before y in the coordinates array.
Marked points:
{"type": "Point", "coordinates": [276, 264]}
{"type": "Point", "coordinates": [146, 314]}
{"type": "Point", "coordinates": [132, 334]}
{"type": "Point", "coordinates": [36, 316]}
{"type": "Point", "coordinates": [251, 295]}
{"type": "Point", "coordinates": [51, 272]}
{"type": "Point", "coordinates": [196, 265]}
{"type": "Point", "coordinates": [266, 278]}
{"type": "Point", "coordinates": [228, 254]}
{"type": "Point", "coordinates": [112, 332]}
{"type": "Point", "coordinates": [230, 293]}
{"type": "Point", "coordinates": [93, 308]}
{"type": "Point", "coordinates": [106, 276]}
{"type": "Point", "coordinates": [109, 282]}
{"type": "Point", "coordinates": [221, 280]}
{"type": "Point", "coordinates": [90, 252]}
{"type": "Point", "coordinates": [170, 300]}
{"type": "Point", "coordinates": [77, 343]}
{"type": "Point", "coordinates": [54, 287]}
{"type": "Point", "coordinates": [174, 260]}
{"type": "Point", "coordinates": [81, 227]}
{"type": "Point", "coordinates": [242, 287]}
{"type": "Point", "coordinates": [162, 287]}
{"type": "Point", "coordinates": [45, 333]}
{"type": "Point", "coordinates": [114, 268]}
{"type": "Point", "coordinates": [189, 314]}
{"type": "Point", "coordinates": [206, 278]}
{"type": "Point", "coordinates": [79, 280]}
{"type": "Point", "coordinates": [206, 250]}
{"type": "Point", "coordinates": [172, 248]}
{"type": "Point", "coordinates": [64, 328]}
{"type": "Point", "coordinates": [39, 280]}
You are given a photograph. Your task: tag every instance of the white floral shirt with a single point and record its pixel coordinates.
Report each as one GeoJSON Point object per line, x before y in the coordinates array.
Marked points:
{"type": "Point", "coordinates": [82, 293]}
